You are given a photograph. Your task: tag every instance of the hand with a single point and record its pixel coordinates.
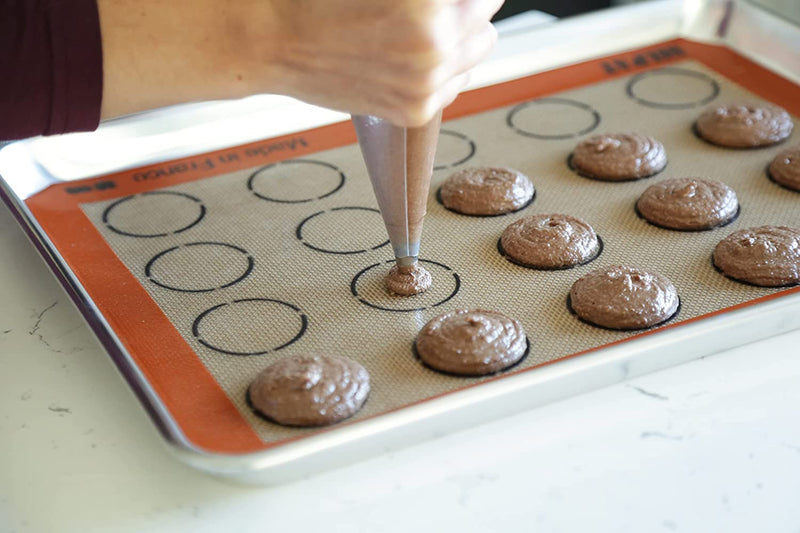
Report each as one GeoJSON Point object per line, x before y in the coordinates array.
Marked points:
{"type": "Point", "coordinates": [402, 60]}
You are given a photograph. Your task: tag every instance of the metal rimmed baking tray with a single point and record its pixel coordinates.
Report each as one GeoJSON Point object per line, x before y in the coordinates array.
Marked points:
{"type": "Point", "coordinates": [294, 219]}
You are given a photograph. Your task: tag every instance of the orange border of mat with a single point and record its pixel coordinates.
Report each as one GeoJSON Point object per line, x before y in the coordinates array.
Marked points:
{"type": "Point", "coordinates": [199, 406]}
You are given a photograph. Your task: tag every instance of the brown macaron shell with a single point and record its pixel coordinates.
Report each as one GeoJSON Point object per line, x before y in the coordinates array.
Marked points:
{"type": "Point", "coordinates": [619, 157]}
{"type": "Point", "coordinates": [744, 125]}
{"type": "Point", "coordinates": [767, 256]}
{"type": "Point", "coordinates": [550, 242]}
{"type": "Point", "coordinates": [310, 390]}
{"type": "Point", "coordinates": [688, 204]}
{"type": "Point", "coordinates": [471, 342]}
{"type": "Point", "coordinates": [624, 298]}
{"type": "Point", "coordinates": [486, 191]}
{"type": "Point", "coordinates": [407, 281]}
{"type": "Point", "coordinates": [784, 169]}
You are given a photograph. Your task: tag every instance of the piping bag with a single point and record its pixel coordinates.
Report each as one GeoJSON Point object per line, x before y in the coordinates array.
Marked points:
{"type": "Point", "coordinates": [400, 164]}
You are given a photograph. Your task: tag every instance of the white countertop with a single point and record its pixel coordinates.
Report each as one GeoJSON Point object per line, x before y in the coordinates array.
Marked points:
{"type": "Point", "coordinates": [712, 445]}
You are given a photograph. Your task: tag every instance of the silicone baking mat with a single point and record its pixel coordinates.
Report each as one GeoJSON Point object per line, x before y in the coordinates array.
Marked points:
{"type": "Point", "coordinates": [212, 267]}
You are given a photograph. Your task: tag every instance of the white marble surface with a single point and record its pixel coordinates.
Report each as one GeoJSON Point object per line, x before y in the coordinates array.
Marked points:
{"type": "Point", "coordinates": [712, 445]}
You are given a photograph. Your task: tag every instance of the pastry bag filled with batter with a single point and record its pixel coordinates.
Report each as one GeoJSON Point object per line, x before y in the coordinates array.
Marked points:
{"type": "Point", "coordinates": [400, 163]}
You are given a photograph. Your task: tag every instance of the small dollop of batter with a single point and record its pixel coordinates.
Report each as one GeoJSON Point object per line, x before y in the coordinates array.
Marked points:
{"type": "Point", "coordinates": [619, 156]}
{"type": "Point", "coordinates": [471, 342]}
{"type": "Point", "coordinates": [785, 168]}
{"type": "Point", "coordinates": [310, 390]}
{"type": "Point", "coordinates": [622, 297]}
{"type": "Point", "coordinates": [768, 256]}
{"type": "Point", "coordinates": [550, 242]}
{"type": "Point", "coordinates": [688, 204]}
{"type": "Point", "coordinates": [408, 280]}
{"type": "Point", "coordinates": [486, 191]}
{"type": "Point", "coordinates": [744, 125]}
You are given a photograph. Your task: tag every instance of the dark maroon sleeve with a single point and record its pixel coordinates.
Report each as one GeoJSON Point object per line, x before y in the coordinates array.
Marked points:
{"type": "Point", "coordinates": [51, 67]}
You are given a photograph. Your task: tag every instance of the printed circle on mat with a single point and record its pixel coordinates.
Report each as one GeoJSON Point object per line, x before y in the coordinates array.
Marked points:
{"type": "Point", "coordinates": [250, 326]}
{"type": "Point", "coordinates": [553, 118]}
{"type": "Point", "coordinates": [454, 148]}
{"type": "Point", "coordinates": [343, 230]}
{"type": "Point", "coordinates": [672, 88]}
{"type": "Point", "coordinates": [199, 266]}
{"type": "Point", "coordinates": [369, 287]}
{"type": "Point", "coordinates": [154, 214]}
{"type": "Point", "coordinates": [296, 181]}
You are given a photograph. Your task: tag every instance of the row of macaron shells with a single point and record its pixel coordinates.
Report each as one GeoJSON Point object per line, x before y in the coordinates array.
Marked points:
{"type": "Point", "coordinates": [297, 381]}
{"type": "Point", "coordinates": [686, 204]}
{"type": "Point", "coordinates": [628, 298]}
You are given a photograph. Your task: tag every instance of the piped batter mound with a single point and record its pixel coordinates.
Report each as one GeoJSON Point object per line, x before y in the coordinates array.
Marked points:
{"type": "Point", "coordinates": [471, 342]}
{"type": "Point", "coordinates": [768, 256]}
{"type": "Point", "coordinates": [550, 242]}
{"type": "Point", "coordinates": [310, 390]}
{"type": "Point", "coordinates": [688, 204]}
{"type": "Point", "coordinates": [408, 281]}
{"type": "Point", "coordinates": [785, 168]}
{"type": "Point", "coordinates": [744, 125]}
{"type": "Point", "coordinates": [622, 297]}
{"type": "Point", "coordinates": [486, 191]}
{"type": "Point", "coordinates": [619, 157]}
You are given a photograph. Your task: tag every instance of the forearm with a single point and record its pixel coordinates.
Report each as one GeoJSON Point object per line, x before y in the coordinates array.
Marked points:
{"type": "Point", "coordinates": [158, 53]}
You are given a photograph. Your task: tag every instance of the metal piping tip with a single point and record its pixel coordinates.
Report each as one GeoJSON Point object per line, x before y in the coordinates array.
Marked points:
{"type": "Point", "coordinates": [407, 261]}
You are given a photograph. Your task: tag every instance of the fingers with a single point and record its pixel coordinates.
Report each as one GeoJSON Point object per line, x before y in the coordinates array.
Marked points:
{"type": "Point", "coordinates": [470, 52]}
{"type": "Point", "coordinates": [484, 8]}
{"type": "Point", "coordinates": [473, 16]}
{"type": "Point", "coordinates": [416, 111]}
{"type": "Point", "coordinates": [474, 37]}
{"type": "Point", "coordinates": [446, 96]}
{"type": "Point", "coordinates": [432, 88]}
{"type": "Point", "coordinates": [494, 6]}
{"type": "Point", "coordinates": [448, 27]}
{"type": "Point", "coordinates": [478, 11]}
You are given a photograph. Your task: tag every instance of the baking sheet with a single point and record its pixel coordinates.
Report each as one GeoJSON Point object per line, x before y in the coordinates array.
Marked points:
{"type": "Point", "coordinates": [209, 280]}
{"type": "Point", "coordinates": [290, 257]}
